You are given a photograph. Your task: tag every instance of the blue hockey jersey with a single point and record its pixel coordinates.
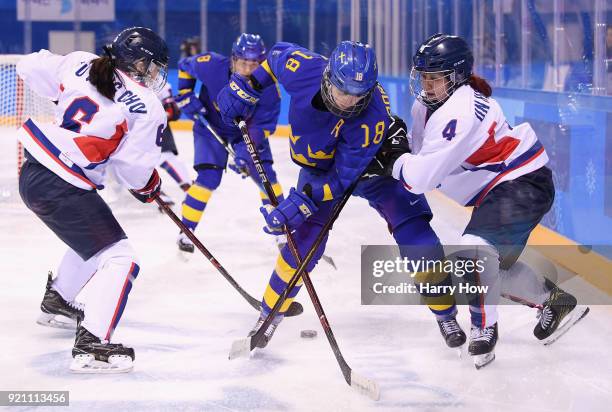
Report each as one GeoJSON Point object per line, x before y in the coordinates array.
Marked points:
{"type": "Point", "coordinates": [332, 151]}
{"type": "Point", "coordinates": [213, 71]}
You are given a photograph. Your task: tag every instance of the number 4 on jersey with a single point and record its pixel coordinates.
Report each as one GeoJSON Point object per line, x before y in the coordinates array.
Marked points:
{"type": "Point", "coordinates": [449, 131]}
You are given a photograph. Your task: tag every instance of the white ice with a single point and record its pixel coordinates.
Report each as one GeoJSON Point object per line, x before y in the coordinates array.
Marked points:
{"type": "Point", "coordinates": [182, 317]}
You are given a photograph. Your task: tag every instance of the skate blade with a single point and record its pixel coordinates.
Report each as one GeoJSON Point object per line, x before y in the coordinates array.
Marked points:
{"type": "Point", "coordinates": [241, 348]}
{"type": "Point", "coordinates": [480, 361]}
{"type": "Point", "coordinates": [572, 318]}
{"type": "Point", "coordinates": [56, 321]}
{"type": "Point", "coordinates": [88, 364]}
{"type": "Point", "coordinates": [365, 386]}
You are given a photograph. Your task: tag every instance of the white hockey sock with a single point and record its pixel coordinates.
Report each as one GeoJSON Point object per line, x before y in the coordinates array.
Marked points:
{"type": "Point", "coordinates": [105, 295]}
{"type": "Point", "coordinates": [522, 281]}
{"type": "Point", "coordinates": [178, 170]}
{"type": "Point", "coordinates": [72, 274]}
{"type": "Point", "coordinates": [485, 313]}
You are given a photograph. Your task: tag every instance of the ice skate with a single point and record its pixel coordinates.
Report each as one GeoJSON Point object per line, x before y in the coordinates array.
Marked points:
{"type": "Point", "coordinates": [559, 314]}
{"type": "Point", "coordinates": [482, 345]}
{"type": "Point", "coordinates": [267, 336]}
{"type": "Point", "coordinates": [185, 244]}
{"type": "Point", "coordinates": [452, 333]}
{"type": "Point", "coordinates": [90, 355]}
{"type": "Point", "coordinates": [56, 312]}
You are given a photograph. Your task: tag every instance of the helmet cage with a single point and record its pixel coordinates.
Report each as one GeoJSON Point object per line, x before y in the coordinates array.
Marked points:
{"type": "Point", "coordinates": [424, 90]}
{"type": "Point", "coordinates": [330, 102]}
{"type": "Point", "coordinates": [152, 73]}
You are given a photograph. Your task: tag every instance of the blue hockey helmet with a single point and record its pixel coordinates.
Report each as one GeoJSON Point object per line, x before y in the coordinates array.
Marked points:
{"type": "Point", "coordinates": [352, 71]}
{"type": "Point", "coordinates": [440, 56]}
{"type": "Point", "coordinates": [142, 54]}
{"type": "Point", "coordinates": [249, 47]}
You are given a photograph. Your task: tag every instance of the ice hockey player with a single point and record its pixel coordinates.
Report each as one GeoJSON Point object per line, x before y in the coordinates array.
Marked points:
{"type": "Point", "coordinates": [170, 160]}
{"type": "Point", "coordinates": [213, 70]}
{"type": "Point", "coordinates": [190, 47]}
{"type": "Point", "coordinates": [107, 115]}
{"type": "Point", "coordinates": [462, 144]}
{"type": "Point", "coordinates": [338, 116]}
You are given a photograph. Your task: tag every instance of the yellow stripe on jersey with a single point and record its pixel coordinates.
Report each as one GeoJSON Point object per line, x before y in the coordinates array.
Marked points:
{"type": "Point", "coordinates": [300, 158]}
{"type": "Point", "coordinates": [276, 187]}
{"type": "Point", "coordinates": [327, 193]}
{"type": "Point", "coordinates": [191, 214]}
{"type": "Point", "coordinates": [199, 193]}
{"type": "Point", "coordinates": [268, 70]}
{"type": "Point", "coordinates": [185, 75]}
{"type": "Point", "coordinates": [183, 91]}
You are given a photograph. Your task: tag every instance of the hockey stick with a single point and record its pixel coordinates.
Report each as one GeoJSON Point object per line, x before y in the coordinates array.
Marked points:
{"type": "Point", "coordinates": [522, 301]}
{"type": "Point", "coordinates": [294, 309]}
{"type": "Point", "coordinates": [243, 347]}
{"type": "Point", "coordinates": [226, 146]}
{"type": "Point", "coordinates": [230, 151]}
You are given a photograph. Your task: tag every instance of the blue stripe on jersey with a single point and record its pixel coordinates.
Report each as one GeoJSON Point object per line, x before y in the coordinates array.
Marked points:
{"type": "Point", "coordinates": [42, 140]}
{"type": "Point", "coordinates": [515, 164]}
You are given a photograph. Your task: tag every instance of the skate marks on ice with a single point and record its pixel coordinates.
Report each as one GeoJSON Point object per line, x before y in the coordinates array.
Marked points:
{"type": "Point", "coordinates": [401, 387]}
{"type": "Point", "coordinates": [231, 398]}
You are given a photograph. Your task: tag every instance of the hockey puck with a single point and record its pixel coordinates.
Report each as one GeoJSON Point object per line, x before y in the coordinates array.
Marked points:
{"type": "Point", "coordinates": [308, 334]}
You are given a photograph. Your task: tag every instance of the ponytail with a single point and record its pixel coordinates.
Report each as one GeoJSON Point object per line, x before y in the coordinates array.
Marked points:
{"type": "Point", "coordinates": [480, 85]}
{"type": "Point", "coordinates": [102, 75]}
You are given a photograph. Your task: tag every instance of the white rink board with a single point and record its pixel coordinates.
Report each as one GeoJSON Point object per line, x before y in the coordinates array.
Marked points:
{"type": "Point", "coordinates": [182, 318]}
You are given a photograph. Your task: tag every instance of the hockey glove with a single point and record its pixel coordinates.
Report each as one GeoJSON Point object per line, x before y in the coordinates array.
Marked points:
{"type": "Point", "coordinates": [190, 105]}
{"type": "Point", "coordinates": [237, 99]}
{"type": "Point", "coordinates": [394, 145]}
{"type": "Point", "coordinates": [293, 211]}
{"type": "Point", "coordinates": [172, 110]}
{"type": "Point", "coordinates": [240, 163]}
{"type": "Point", "coordinates": [148, 193]}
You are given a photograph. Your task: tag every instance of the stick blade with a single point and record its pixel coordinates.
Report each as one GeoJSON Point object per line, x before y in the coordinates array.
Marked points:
{"type": "Point", "coordinates": [241, 348]}
{"type": "Point", "coordinates": [365, 386]}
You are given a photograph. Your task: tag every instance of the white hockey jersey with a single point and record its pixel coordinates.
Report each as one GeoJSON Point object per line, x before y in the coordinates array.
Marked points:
{"type": "Point", "coordinates": [91, 132]}
{"type": "Point", "coordinates": [466, 148]}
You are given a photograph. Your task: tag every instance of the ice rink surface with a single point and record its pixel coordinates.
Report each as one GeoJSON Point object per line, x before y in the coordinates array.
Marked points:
{"type": "Point", "coordinates": [182, 317]}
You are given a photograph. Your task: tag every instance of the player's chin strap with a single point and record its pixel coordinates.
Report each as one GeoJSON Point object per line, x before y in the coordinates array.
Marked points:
{"type": "Point", "coordinates": [295, 308]}
{"type": "Point", "coordinates": [361, 384]}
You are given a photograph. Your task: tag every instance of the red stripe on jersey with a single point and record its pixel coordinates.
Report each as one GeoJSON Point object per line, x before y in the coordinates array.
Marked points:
{"type": "Point", "coordinates": [98, 149]}
{"type": "Point", "coordinates": [492, 152]}
{"type": "Point", "coordinates": [499, 176]}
